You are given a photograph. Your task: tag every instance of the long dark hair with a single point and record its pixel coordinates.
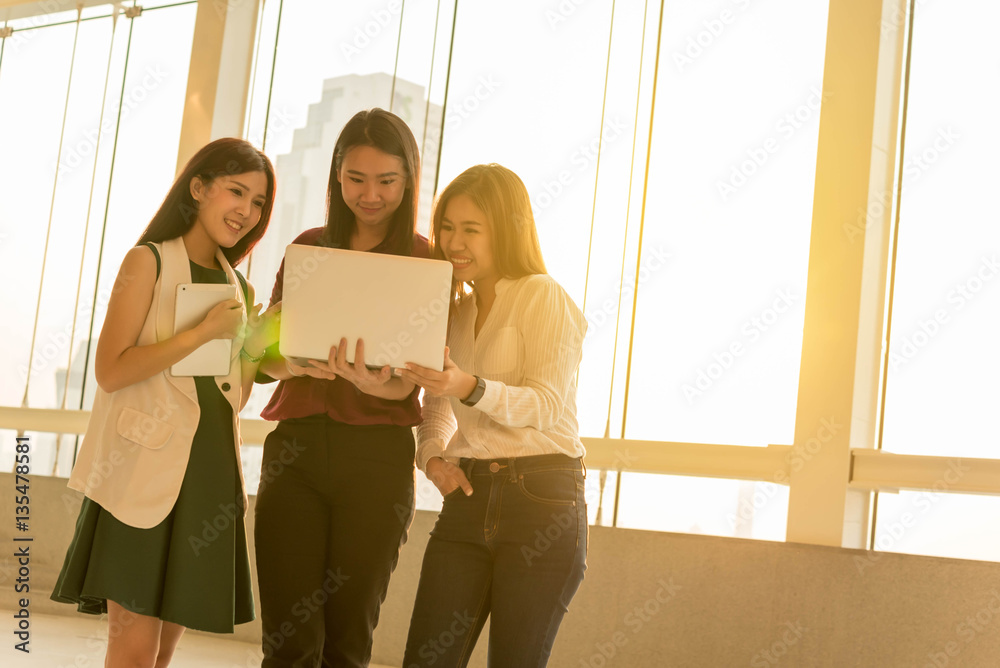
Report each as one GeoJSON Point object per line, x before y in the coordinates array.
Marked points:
{"type": "Point", "coordinates": [228, 156]}
{"type": "Point", "coordinates": [388, 133]}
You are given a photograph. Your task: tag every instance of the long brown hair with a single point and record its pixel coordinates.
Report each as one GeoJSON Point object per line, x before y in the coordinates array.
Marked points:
{"type": "Point", "coordinates": [223, 157]}
{"type": "Point", "coordinates": [500, 194]}
{"type": "Point", "coordinates": [388, 133]}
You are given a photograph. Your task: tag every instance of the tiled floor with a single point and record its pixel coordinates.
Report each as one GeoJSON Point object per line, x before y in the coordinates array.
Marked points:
{"type": "Point", "coordinates": [79, 641]}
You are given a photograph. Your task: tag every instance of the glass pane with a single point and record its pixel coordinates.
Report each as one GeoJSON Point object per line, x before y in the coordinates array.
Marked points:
{"type": "Point", "coordinates": [941, 390]}
{"type": "Point", "coordinates": [555, 143]}
{"type": "Point", "coordinates": [96, 11]}
{"type": "Point", "coordinates": [488, 120]}
{"type": "Point", "coordinates": [154, 4]}
{"type": "Point", "coordinates": [150, 106]}
{"type": "Point", "coordinates": [63, 321]}
{"type": "Point", "coordinates": [937, 524]}
{"type": "Point", "coordinates": [24, 215]}
{"type": "Point", "coordinates": [718, 333]}
{"type": "Point", "coordinates": [251, 457]}
{"type": "Point", "coordinates": [263, 64]}
{"type": "Point", "coordinates": [145, 159]}
{"type": "Point", "coordinates": [715, 507]}
{"type": "Point", "coordinates": [22, 27]}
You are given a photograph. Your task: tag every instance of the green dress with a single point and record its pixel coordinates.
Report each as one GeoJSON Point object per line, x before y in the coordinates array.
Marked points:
{"type": "Point", "coordinates": [192, 568]}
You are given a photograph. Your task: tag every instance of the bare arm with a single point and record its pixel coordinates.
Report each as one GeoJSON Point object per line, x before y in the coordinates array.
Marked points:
{"type": "Point", "coordinates": [119, 362]}
{"type": "Point", "coordinates": [274, 365]}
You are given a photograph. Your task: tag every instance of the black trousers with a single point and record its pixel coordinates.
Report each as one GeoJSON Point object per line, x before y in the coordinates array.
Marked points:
{"type": "Point", "coordinates": [333, 508]}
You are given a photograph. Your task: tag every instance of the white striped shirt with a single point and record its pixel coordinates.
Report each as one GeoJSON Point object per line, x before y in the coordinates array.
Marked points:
{"type": "Point", "coordinates": [527, 351]}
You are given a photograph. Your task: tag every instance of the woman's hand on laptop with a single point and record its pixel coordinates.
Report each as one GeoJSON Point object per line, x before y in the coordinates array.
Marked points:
{"type": "Point", "coordinates": [450, 382]}
{"type": "Point", "coordinates": [357, 373]}
{"type": "Point", "coordinates": [311, 371]}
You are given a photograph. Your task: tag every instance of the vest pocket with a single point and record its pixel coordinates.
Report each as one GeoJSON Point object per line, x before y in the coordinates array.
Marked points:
{"type": "Point", "coordinates": [138, 427]}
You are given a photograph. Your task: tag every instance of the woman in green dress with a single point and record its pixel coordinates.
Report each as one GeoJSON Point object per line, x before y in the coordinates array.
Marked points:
{"type": "Point", "coordinates": [160, 543]}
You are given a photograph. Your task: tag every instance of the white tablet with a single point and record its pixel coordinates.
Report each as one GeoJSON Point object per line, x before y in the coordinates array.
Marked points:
{"type": "Point", "coordinates": [397, 305]}
{"type": "Point", "coordinates": [194, 301]}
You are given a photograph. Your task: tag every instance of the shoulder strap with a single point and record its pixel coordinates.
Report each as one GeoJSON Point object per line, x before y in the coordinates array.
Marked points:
{"type": "Point", "coordinates": [243, 284]}
{"type": "Point", "coordinates": [156, 254]}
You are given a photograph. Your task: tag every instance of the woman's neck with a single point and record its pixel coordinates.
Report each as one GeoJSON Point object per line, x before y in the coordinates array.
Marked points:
{"type": "Point", "coordinates": [367, 237]}
{"type": "Point", "coordinates": [485, 290]}
{"type": "Point", "coordinates": [200, 248]}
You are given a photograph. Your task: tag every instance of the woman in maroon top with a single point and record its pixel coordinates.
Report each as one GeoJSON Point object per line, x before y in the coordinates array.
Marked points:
{"type": "Point", "coordinates": [336, 491]}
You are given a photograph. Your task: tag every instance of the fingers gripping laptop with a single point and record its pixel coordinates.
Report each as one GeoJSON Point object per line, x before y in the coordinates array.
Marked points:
{"type": "Point", "coordinates": [397, 305]}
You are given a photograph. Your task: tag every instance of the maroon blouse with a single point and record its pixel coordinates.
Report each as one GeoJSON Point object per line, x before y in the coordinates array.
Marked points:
{"type": "Point", "coordinates": [338, 398]}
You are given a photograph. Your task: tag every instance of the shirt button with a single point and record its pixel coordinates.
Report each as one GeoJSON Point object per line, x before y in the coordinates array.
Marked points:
{"type": "Point", "coordinates": [494, 467]}
{"type": "Point", "coordinates": [225, 387]}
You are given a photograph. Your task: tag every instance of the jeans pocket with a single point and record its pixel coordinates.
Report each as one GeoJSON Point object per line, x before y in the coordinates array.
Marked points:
{"type": "Point", "coordinates": [555, 488]}
{"type": "Point", "coordinates": [453, 494]}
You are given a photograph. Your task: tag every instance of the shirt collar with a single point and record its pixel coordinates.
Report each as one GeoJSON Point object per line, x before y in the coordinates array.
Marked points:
{"type": "Point", "coordinates": [503, 284]}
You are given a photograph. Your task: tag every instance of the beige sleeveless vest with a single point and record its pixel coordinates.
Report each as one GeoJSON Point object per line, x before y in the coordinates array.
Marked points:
{"type": "Point", "coordinates": [136, 448]}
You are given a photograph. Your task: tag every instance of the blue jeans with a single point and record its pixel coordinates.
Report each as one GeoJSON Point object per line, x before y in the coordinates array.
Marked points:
{"type": "Point", "coordinates": [514, 551]}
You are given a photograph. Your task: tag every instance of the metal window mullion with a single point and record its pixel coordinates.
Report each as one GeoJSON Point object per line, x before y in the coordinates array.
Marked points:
{"type": "Point", "coordinates": [86, 230]}
{"type": "Point", "coordinates": [430, 79]}
{"type": "Point", "coordinates": [270, 85]}
{"type": "Point", "coordinates": [48, 231]}
{"type": "Point", "coordinates": [618, 312]}
{"type": "Point", "coordinates": [891, 288]}
{"type": "Point", "coordinates": [250, 96]}
{"type": "Point", "coordinates": [642, 228]}
{"type": "Point", "coordinates": [597, 168]}
{"type": "Point", "coordinates": [104, 222]}
{"type": "Point", "coordinates": [3, 43]}
{"type": "Point", "coordinates": [395, 65]}
{"type": "Point", "coordinates": [444, 103]}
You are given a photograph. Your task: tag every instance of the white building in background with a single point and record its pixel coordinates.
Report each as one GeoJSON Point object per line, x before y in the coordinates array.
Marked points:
{"type": "Point", "coordinates": [304, 171]}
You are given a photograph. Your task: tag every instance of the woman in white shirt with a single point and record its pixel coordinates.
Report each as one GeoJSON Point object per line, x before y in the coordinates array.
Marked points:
{"type": "Point", "coordinates": [500, 438]}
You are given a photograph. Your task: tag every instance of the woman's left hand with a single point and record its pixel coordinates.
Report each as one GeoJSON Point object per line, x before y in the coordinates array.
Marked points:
{"type": "Point", "coordinates": [357, 373]}
{"type": "Point", "coordinates": [450, 382]}
{"type": "Point", "coordinates": [262, 328]}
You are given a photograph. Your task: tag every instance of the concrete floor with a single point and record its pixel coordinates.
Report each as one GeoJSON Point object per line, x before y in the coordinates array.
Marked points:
{"type": "Point", "coordinates": [79, 641]}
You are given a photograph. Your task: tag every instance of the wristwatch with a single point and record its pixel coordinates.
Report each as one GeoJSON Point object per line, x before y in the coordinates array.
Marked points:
{"type": "Point", "coordinates": [477, 393]}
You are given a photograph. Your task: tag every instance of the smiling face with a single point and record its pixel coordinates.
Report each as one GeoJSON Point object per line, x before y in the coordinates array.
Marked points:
{"type": "Point", "coordinates": [373, 184]}
{"type": "Point", "coordinates": [465, 239]}
{"type": "Point", "coordinates": [229, 206]}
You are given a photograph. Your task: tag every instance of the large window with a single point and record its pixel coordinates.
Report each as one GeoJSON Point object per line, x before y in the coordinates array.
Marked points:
{"type": "Point", "coordinates": [718, 331]}
{"type": "Point", "coordinates": [93, 154]}
{"type": "Point", "coordinates": [713, 360]}
{"type": "Point", "coordinates": [941, 390]}
{"type": "Point", "coordinates": [670, 162]}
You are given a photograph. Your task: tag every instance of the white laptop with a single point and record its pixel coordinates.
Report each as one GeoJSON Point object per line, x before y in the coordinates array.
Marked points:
{"type": "Point", "coordinates": [397, 305]}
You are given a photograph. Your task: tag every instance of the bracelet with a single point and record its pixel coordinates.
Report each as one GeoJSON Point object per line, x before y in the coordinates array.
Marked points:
{"type": "Point", "coordinates": [250, 358]}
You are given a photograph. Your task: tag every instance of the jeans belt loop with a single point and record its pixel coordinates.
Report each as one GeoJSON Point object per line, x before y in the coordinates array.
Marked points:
{"type": "Point", "coordinates": [513, 468]}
